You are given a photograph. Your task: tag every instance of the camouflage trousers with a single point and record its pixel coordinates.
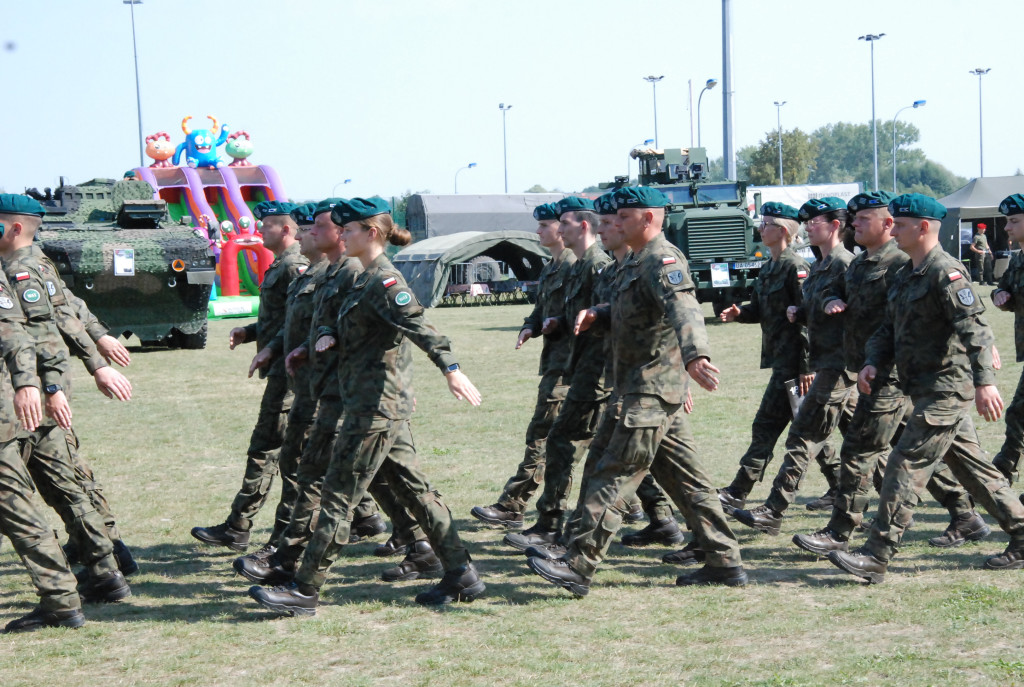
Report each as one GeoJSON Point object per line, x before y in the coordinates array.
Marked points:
{"type": "Point", "coordinates": [310, 479]}
{"type": "Point", "coordinates": [521, 487]}
{"type": "Point", "coordinates": [654, 436]}
{"type": "Point", "coordinates": [32, 536]}
{"type": "Point", "coordinates": [939, 426]}
{"type": "Point", "coordinates": [773, 416]}
{"type": "Point", "coordinates": [50, 456]}
{"type": "Point", "coordinates": [368, 446]}
{"type": "Point", "coordinates": [818, 416]}
{"type": "Point", "coordinates": [878, 422]}
{"type": "Point", "coordinates": [654, 501]}
{"type": "Point", "coordinates": [570, 434]}
{"type": "Point", "coordinates": [264, 453]}
{"type": "Point", "coordinates": [293, 442]}
{"type": "Point", "coordinates": [1008, 458]}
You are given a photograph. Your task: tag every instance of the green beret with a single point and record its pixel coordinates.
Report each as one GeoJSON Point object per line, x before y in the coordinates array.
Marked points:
{"type": "Point", "coordinates": [357, 209]}
{"type": "Point", "coordinates": [130, 174]}
{"type": "Point", "coordinates": [326, 205]}
{"type": "Point", "coordinates": [1012, 205]}
{"type": "Point", "coordinates": [639, 197]}
{"type": "Point", "coordinates": [773, 209]}
{"type": "Point", "coordinates": [867, 201]}
{"type": "Point", "coordinates": [545, 212]}
{"type": "Point", "coordinates": [573, 204]}
{"type": "Point", "coordinates": [303, 214]}
{"type": "Point", "coordinates": [605, 205]}
{"type": "Point", "coordinates": [17, 204]}
{"type": "Point", "coordinates": [916, 205]}
{"type": "Point", "coordinates": [820, 206]}
{"type": "Point", "coordinates": [267, 208]}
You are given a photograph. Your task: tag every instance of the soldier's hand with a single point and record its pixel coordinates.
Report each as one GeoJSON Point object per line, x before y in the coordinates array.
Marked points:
{"type": "Point", "coordinates": [584, 318]}
{"type": "Point", "coordinates": [113, 384]}
{"type": "Point", "coordinates": [988, 402]}
{"type": "Point", "coordinates": [997, 362]}
{"type": "Point", "coordinates": [791, 313]}
{"type": "Point", "coordinates": [688, 403]}
{"type": "Point", "coordinates": [703, 372]}
{"type": "Point", "coordinates": [296, 359]}
{"type": "Point", "coordinates": [261, 359]}
{"type": "Point", "coordinates": [1000, 298]}
{"type": "Point", "coordinates": [524, 335]}
{"type": "Point", "coordinates": [730, 313]}
{"type": "Point", "coordinates": [28, 408]}
{"type": "Point", "coordinates": [550, 325]}
{"type": "Point", "coordinates": [462, 388]}
{"type": "Point", "coordinates": [325, 343]}
{"type": "Point", "coordinates": [835, 306]}
{"type": "Point", "coordinates": [58, 408]}
{"type": "Point", "coordinates": [237, 336]}
{"type": "Point", "coordinates": [805, 383]}
{"type": "Point", "coordinates": [113, 350]}
{"type": "Point", "coordinates": [864, 379]}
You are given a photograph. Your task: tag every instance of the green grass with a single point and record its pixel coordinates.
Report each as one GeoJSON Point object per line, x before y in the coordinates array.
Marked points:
{"type": "Point", "coordinates": [172, 458]}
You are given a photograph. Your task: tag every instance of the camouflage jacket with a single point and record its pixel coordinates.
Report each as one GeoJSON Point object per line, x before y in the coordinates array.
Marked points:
{"type": "Point", "coordinates": [30, 289]}
{"type": "Point", "coordinates": [825, 332]}
{"type": "Point", "coordinates": [273, 303]}
{"type": "Point", "coordinates": [865, 290]}
{"type": "Point", "coordinates": [1012, 282]}
{"type": "Point", "coordinates": [18, 365]}
{"type": "Point", "coordinates": [551, 303]}
{"type": "Point", "coordinates": [586, 351]}
{"type": "Point", "coordinates": [374, 357]}
{"type": "Point", "coordinates": [298, 310]}
{"type": "Point", "coordinates": [657, 326]}
{"type": "Point", "coordinates": [604, 292]}
{"type": "Point", "coordinates": [783, 344]}
{"type": "Point", "coordinates": [338, 281]}
{"type": "Point", "coordinates": [934, 331]}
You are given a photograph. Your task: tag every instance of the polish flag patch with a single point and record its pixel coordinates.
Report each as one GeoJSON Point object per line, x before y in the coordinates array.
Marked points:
{"type": "Point", "coordinates": [953, 276]}
{"type": "Point", "coordinates": [22, 276]}
{"type": "Point", "coordinates": [389, 282]}
{"type": "Point", "coordinates": [801, 274]}
{"type": "Point", "coordinates": [668, 261]}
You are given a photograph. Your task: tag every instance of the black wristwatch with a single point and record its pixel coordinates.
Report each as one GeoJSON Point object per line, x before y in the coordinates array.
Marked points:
{"type": "Point", "coordinates": [451, 368]}
{"type": "Point", "coordinates": [53, 388]}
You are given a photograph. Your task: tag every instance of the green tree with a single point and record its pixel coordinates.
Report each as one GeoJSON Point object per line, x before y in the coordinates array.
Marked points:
{"type": "Point", "coordinates": [799, 155]}
{"type": "Point", "coordinates": [536, 188]}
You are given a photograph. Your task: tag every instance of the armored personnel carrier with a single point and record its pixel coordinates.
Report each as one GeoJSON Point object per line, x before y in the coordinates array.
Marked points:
{"type": "Point", "coordinates": [116, 248]}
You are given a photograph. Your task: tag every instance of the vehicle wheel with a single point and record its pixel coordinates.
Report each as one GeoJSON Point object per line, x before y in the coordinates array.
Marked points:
{"type": "Point", "coordinates": [481, 269]}
{"type": "Point", "coordinates": [192, 341]}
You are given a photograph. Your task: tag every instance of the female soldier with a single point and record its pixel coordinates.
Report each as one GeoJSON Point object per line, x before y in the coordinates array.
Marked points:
{"type": "Point", "coordinates": [375, 362]}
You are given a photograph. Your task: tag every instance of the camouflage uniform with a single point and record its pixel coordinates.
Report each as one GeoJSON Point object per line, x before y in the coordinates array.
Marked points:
{"type": "Point", "coordinates": [1012, 282]}
{"type": "Point", "coordinates": [265, 443]}
{"type": "Point", "coordinates": [588, 391]}
{"type": "Point", "coordinates": [554, 359]}
{"type": "Point", "coordinates": [833, 384]}
{"type": "Point", "coordinates": [20, 520]}
{"type": "Point", "coordinates": [50, 451]}
{"type": "Point", "coordinates": [377, 321]}
{"type": "Point", "coordinates": [656, 330]}
{"type": "Point", "coordinates": [934, 332]}
{"type": "Point", "coordinates": [880, 416]}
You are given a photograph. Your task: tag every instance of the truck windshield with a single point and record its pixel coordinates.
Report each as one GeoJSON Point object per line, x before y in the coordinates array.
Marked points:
{"type": "Point", "coordinates": [706, 194]}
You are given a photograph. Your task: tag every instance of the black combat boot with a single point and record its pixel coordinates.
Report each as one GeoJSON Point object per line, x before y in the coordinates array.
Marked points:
{"type": "Point", "coordinates": [269, 570]}
{"type": "Point", "coordinates": [365, 528]}
{"type": "Point", "coordinates": [110, 587]}
{"type": "Point", "coordinates": [732, 498]}
{"type": "Point", "coordinates": [734, 576]}
{"type": "Point", "coordinates": [664, 532]}
{"type": "Point", "coordinates": [459, 584]}
{"type": "Point", "coordinates": [1011, 559]}
{"type": "Point", "coordinates": [534, 536]}
{"type": "Point", "coordinates": [498, 515]}
{"type": "Point", "coordinates": [125, 561]}
{"type": "Point", "coordinates": [548, 553]}
{"type": "Point", "coordinates": [822, 541]}
{"type": "Point", "coordinates": [762, 519]}
{"type": "Point", "coordinates": [421, 561]}
{"type": "Point", "coordinates": [962, 528]}
{"type": "Point", "coordinates": [396, 545]}
{"type": "Point", "coordinates": [824, 502]}
{"type": "Point", "coordinates": [223, 535]}
{"type": "Point", "coordinates": [290, 599]}
{"type": "Point", "coordinates": [634, 515]}
{"type": "Point", "coordinates": [558, 572]}
{"type": "Point", "coordinates": [861, 563]}
{"type": "Point", "coordinates": [691, 553]}
{"type": "Point", "coordinates": [40, 618]}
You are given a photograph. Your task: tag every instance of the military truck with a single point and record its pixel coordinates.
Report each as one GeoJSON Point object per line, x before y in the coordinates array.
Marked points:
{"type": "Point", "coordinates": [708, 221]}
{"type": "Point", "coordinates": [140, 274]}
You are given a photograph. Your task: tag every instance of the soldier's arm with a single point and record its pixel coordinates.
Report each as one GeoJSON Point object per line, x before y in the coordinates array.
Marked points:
{"type": "Point", "coordinates": [79, 342]}
{"type": "Point", "coordinates": [51, 359]}
{"type": "Point", "coordinates": [751, 312]}
{"type": "Point", "coordinates": [397, 306]}
{"type": "Point", "coordinates": [972, 329]}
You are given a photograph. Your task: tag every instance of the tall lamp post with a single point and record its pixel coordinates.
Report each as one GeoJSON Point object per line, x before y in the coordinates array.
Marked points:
{"type": "Point", "coordinates": [915, 105]}
{"type": "Point", "coordinates": [653, 80]}
{"type": "Point", "coordinates": [471, 165]}
{"type": "Point", "coordinates": [340, 183]}
{"type": "Point", "coordinates": [708, 85]}
{"type": "Point", "coordinates": [979, 72]}
{"type": "Point", "coordinates": [778, 117]}
{"type": "Point", "coordinates": [138, 97]}
{"type": "Point", "coordinates": [504, 139]}
{"type": "Point", "coordinates": [871, 38]}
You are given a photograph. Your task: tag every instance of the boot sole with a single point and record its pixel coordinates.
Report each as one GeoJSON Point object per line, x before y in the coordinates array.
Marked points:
{"type": "Point", "coordinates": [973, 536]}
{"type": "Point", "coordinates": [872, 578]}
{"type": "Point", "coordinates": [415, 574]}
{"type": "Point", "coordinates": [281, 609]}
{"type": "Point", "coordinates": [684, 581]}
{"type": "Point", "coordinates": [1016, 565]}
{"type": "Point", "coordinates": [111, 597]}
{"type": "Point", "coordinates": [822, 552]}
{"type": "Point", "coordinates": [467, 595]}
{"type": "Point", "coordinates": [578, 590]}
{"type": "Point", "coordinates": [71, 623]}
{"type": "Point", "coordinates": [218, 542]}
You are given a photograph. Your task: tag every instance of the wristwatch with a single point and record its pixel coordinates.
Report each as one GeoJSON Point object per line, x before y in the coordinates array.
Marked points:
{"type": "Point", "coordinates": [451, 368]}
{"type": "Point", "coordinates": [53, 388]}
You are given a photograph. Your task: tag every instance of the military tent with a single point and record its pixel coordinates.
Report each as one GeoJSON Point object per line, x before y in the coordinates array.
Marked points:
{"type": "Point", "coordinates": [978, 201]}
{"type": "Point", "coordinates": [427, 265]}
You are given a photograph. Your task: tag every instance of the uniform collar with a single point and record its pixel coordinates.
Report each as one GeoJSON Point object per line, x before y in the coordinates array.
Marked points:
{"type": "Point", "coordinates": [932, 256]}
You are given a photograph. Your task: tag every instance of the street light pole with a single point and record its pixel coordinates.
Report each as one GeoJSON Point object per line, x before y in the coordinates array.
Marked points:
{"type": "Point", "coordinates": [653, 80]}
{"type": "Point", "coordinates": [708, 85]}
{"type": "Point", "coordinates": [138, 97]}
{"type": "Point", "coordinates": [979, 72]}
{"type": "Point", "coordinates": [471, 165]}
{"type": "Point", "coordinates": [871, 38]}
{"type": "Point", "coordinates": [340, 183]}
{"type": "Point", "coordinates": [504, 139]}
{"type": "Point", "coordinates": [915, 105]}
{"type": "Point", "coordinates": [778, 113]}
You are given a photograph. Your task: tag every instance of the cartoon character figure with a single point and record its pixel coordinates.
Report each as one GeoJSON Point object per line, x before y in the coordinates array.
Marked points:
{"type": "Point", "coordinates": [200, 146]}
{"type": "Point", "coordinates": [239, 147]}
{"type": "Point", "coordinates": [158, 147]}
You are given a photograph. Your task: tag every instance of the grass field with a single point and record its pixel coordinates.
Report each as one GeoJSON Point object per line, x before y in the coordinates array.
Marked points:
{"type": "Point", "coordinates": [172, 458]}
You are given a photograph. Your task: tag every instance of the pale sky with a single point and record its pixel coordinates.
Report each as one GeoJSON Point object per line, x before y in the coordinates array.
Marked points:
{"type": "Point", "coordinates": [398, 95]}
